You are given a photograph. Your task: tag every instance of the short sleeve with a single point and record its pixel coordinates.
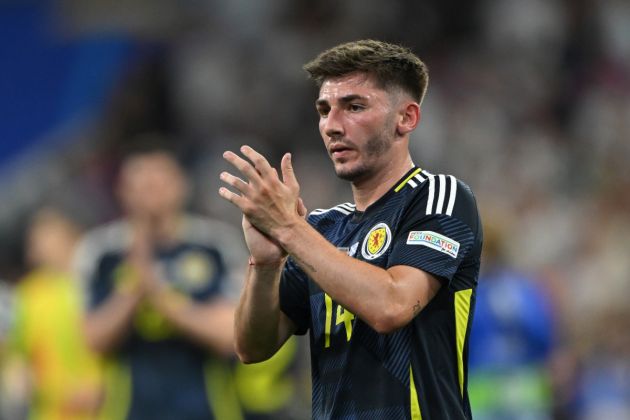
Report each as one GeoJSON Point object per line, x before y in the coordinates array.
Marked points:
{"type": "Point", "coordinates": [84, 268]}
{"type": "Point", "coordinates": [97, 262]}
{"type": "Point", "coordinates": [434, 240]}
{"type": "Point", "coordinates": [294, 296]}
{"type": "Point", "coordinates": [88, 267]}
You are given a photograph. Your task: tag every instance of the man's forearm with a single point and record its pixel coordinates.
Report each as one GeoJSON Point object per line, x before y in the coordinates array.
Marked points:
{"type": "Point", "coordinates": [260, 326]}
{"type": "Point", "coordinates": [339, 275]}
{"type": "Point", "coordinates": [385, 299]}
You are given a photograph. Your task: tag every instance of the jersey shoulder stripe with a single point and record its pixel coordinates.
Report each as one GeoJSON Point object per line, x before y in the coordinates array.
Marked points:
{"type": "Point", "coordinates": [441, 195]}
{"type": "Point", "coordinates": [344, 208]}
{"type": "Point", "coordinates": [406, 180]}
{"type": "Point", "coordinates": [416, 178]}
{"type": "Point", "coordinates": [441, 190]}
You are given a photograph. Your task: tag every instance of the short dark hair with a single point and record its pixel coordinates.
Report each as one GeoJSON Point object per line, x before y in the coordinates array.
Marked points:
{"type": "Point", "coordinates": [390, 64]}
{"type": "Point", "coordinates": [149, 144]}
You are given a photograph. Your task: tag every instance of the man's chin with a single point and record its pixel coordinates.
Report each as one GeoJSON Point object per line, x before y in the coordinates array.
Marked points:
{"type": "Point", "coordinates": [350, 174]}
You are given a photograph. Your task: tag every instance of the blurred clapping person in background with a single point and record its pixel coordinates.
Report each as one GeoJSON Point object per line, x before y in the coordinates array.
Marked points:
{"type": "Point", "coordinates": [49, 370]}
{"type": "Point", "coordinates": [159, 298]}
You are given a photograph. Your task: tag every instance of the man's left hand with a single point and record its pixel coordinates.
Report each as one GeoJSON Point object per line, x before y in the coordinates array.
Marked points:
{"type": "Point", "coordinates": [269, 203]}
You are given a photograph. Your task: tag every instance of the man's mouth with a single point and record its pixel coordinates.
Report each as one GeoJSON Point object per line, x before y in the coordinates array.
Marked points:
{"type": "Point", "coordinates": [339, 150]}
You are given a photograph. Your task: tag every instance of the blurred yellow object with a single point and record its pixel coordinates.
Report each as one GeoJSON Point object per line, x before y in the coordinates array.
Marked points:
{"type": "Point", "coordinates": [267, 387]}
{"type": "Point", "coordinates": [47, 335]}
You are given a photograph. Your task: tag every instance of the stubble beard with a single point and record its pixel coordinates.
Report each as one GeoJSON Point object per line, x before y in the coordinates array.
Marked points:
{"type": "Point", "coordinates": [374, 147]}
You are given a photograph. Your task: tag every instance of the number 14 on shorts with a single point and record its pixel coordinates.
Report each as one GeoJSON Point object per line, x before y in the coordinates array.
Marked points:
{"type": "Point", "coordinates": [343, 316]}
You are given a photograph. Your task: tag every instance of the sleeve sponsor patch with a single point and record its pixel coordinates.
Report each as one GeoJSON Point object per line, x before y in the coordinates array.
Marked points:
{"type": "Point", "coordinates": [435, 241]}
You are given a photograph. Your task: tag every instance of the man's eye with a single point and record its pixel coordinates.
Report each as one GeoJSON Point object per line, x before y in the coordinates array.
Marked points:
{"type": "Point", "coordinates": [356, 107]}
{"type": "Point", "coordinates": [323, 112]}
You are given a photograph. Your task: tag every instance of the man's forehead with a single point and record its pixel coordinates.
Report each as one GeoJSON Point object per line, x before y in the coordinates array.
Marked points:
{"type": "Point", "coordinates": [348, 84]}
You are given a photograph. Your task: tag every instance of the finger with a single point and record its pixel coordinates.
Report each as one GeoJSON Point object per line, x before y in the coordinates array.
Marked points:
{"type": "Point", "coordinates": [288, 175]}
{"type": "Point", "coordinates": [260, 162]}
{"type": "Point", "coordinates": [235, 182]}
{"type": "Point", "coordinates": [301, 208]}
{"type": "Point", "coordinates": [232, 197]}
{"type": "Point", "coordinates": [243, 166]}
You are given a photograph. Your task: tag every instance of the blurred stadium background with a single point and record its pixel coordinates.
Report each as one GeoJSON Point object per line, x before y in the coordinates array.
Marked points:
{"type": "Point", "coordinates": [529, 103]}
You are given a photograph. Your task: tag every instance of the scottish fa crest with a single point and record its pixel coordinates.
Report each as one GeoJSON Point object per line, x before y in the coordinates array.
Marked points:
{"type": "Point", "coordinates": [376, 241]}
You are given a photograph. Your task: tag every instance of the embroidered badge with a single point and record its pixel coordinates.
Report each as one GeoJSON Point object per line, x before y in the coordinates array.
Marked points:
{"type": "Point", "coordinates": [376, 241]}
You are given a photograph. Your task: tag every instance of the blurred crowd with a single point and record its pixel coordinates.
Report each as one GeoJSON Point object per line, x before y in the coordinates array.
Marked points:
{"type": "Point", "coordinates": [529, 103]}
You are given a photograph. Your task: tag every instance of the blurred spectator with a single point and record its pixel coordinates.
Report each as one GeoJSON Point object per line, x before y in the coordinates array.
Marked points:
{"type": "Point", "coordinates": [511, 341]}
{"type": "Point", "coordinates": [49, 366]}
{"type": "Point", "coordinates": [159, 298]}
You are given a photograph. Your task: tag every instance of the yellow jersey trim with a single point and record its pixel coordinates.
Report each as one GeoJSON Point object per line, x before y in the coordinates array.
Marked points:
{"type": "Point", "coordinates": [415, 404]}
{"type": "Point", "coordinates": [402, 184]}
{"type": "Point", "coordinates": [462, 311]}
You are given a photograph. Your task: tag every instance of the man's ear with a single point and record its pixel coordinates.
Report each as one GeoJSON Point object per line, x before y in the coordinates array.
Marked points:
{"type": "Point", "coordinates": [409, 118]}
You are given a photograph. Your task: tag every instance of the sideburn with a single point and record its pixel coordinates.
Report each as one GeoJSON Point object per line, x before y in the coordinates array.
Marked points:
{"type": "Point", "coordinates": [380, 144]}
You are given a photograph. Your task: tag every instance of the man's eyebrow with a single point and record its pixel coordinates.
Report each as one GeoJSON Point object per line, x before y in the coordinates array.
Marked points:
{"type": "Point", "coordinates": [344, 99]}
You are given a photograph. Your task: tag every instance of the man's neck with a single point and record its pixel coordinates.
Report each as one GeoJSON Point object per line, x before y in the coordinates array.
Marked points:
{"type": "Point", "coordinates": [367, 192]}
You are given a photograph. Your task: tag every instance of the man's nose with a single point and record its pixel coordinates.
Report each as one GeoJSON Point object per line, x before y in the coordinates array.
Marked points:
{"type": "Point", "coordinates": [333, 125]}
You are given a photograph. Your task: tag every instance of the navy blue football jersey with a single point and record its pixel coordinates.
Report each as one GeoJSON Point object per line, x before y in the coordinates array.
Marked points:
{"type": "Point", "coordinates": [158, 373]}
{"type": "Point", "coordinates": [419, 371]}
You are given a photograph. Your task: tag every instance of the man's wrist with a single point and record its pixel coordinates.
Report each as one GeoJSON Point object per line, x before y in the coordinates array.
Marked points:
{"type": "Point", "coordinates": [269, 265]}
{"type": "Point", "coordinates": [286, 234]}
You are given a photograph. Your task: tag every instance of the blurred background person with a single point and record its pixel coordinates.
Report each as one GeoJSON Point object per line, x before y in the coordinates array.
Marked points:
{"type": "Point", "coordinates": [159, 298]}
{"type": "Point", "coordinates": [49, 366]}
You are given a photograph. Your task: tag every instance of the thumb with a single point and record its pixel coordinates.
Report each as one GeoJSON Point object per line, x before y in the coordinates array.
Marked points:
{"type": "Point", "coordinates": [301, 208]}
{"type": "Point", "coordinates": [288, 175]}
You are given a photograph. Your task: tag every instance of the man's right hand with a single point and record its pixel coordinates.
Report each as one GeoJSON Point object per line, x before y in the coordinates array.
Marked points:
{"type": "Point", "coordinates": [263, 249]}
